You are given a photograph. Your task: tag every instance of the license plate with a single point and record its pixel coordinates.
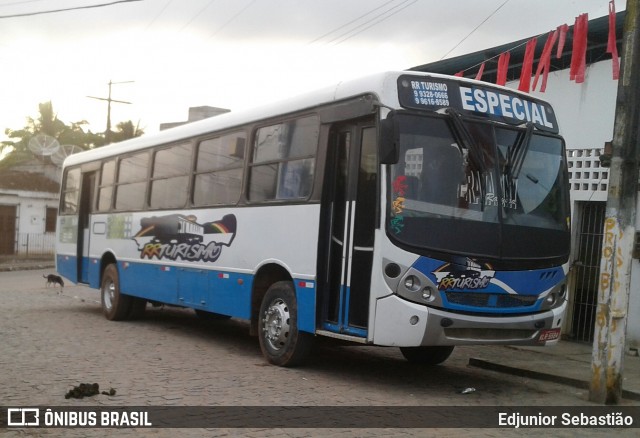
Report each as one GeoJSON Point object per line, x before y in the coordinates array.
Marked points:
{"type": "Point", "coordinates": [549, 335]}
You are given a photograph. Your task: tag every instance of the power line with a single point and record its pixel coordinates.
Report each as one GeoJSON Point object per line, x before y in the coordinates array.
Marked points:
{"type": "Point", "coordinates": [52, 11]}
{"type": "Point", "coordinates": [384, 17]}
{"type": "Point", "coordinates": [350, 22]}
{"type": "Point", "coordinates": [476, 28]}
{"type": "Point", "coordinates": [158, 14]}
{"type": "Point", "coordinates": [498, 55]}
{"type": "Point", "coordinates": [197, 15]}
{"type": "Point", "coordinates": [232, 18]}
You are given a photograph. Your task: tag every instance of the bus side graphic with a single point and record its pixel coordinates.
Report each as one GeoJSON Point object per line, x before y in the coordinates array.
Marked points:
{"type": "Point", "coordinates": [178, 236]}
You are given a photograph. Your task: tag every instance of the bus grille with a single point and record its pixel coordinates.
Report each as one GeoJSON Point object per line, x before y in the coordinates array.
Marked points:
{"type": "Point", "coordinates": [500, 301]}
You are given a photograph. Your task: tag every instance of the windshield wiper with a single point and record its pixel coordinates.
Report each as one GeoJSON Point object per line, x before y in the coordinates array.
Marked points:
{"type": "Point", "coordinates": [468, 142]}
{"type": "Point", "coordinates": [515, 158]}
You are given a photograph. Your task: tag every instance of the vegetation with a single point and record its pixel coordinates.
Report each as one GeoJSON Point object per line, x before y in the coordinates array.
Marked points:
{"type": "Point", "coordinates": [16, 150]}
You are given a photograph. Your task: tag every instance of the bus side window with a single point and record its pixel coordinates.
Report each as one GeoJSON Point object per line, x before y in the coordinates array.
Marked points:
{"type": "Point", "coordinates": [132, 182]}
{"type": "Point", "coordinates": [107, 179]}
{"type": "Point", "coordinates": [284, 160]}
{"type": "Point", "coordinates": [170, 176]}
{"type": "Point", "coordinates": [70, 191]}
{"type": "Point", "coordinates": [219, 170]}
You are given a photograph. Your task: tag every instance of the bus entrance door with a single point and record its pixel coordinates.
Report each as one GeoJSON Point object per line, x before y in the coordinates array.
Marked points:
{"type": "Point", "coordinates": [85, 209]}
{"type": "Point", "coordinates": [350, 215]}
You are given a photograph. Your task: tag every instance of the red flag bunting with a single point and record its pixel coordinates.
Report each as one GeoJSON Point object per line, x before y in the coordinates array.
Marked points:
{"type": "Point", "coordinates": [544, 63]}
{"type": "Point", "coordinates": [503, 68]}
{"type": "Point", "coordinates": [612, 46]}
{"type": "Point", "coordinates": [527, 66]}
{"type": "Point", "coordinates": [579, 55]}
{"type": "Point", "coordinates": [479, 74]}
{"type": "Point", "coordinates": [562, 38]}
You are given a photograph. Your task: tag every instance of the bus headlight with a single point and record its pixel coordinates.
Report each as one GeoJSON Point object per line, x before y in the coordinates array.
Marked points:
{"type": "Point", "coordinates": [555, 298]}
{"type": "Point", "coordinates": [563, 291]}
{"type": "Point", "coordinates": [429, 294]}
{"type": "Point", "coordinates": [415, 286]}
{"type": "Point", "coordinates": [551, 299]}
{"type": "Point", "coordinates": [412, 283]}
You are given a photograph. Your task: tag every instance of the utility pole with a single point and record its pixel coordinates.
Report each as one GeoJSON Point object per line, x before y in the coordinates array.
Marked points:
{"type": "Point", "coordinates": [107, 133]}
{"type": "Point", "coordinates": [619, 229]}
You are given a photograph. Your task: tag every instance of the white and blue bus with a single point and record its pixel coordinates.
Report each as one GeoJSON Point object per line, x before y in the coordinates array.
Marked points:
{"type": "Point", "coordinates": [403, 209]}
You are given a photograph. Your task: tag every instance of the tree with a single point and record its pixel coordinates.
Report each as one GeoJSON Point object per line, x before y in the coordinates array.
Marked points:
{"type": "Point", "coordinates": [17, 149]}
{"type": "Point", "coordinates": [125, 131]}
{"type": "Point", "coordinates": [47, 123]}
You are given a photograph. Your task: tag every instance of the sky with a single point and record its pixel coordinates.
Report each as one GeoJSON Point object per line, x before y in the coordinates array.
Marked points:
{"type": "Point", "coordinates": [165, 56]}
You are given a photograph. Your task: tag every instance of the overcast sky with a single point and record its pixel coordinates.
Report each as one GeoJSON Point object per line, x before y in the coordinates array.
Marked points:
{"type": "Point", "coordinates": [235, 53]}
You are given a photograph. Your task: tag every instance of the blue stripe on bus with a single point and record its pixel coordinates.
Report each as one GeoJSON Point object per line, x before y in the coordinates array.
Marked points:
{"type": "Point", "coordinates": [228, 293]}
{"type": "Point", "coordinates": [94, 273]}
{"type": "Point", "coordinates": [306, 299]}
{"type": "Point", "coordinates": [67, 266]}
{"type": "Point", "coordinates": [346, 328]}
{"type": "Point", "coordinates": [343, 326]}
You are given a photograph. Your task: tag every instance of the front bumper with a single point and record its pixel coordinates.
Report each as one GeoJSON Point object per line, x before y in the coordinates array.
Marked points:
{"type": "Point", "coordinates": [405, 324]}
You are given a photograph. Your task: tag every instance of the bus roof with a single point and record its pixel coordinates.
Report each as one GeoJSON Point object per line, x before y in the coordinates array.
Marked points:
{"type": "Point", "coordinates": [383, 85]}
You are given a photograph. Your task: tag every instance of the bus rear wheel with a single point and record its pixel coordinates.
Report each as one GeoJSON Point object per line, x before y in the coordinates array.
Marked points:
{"type": "Point", "coordinates": [427, 355]}
{"type": "Point", "coordinates": [280, 340]}
{"type": "Point", "coordinates": [115, 305]}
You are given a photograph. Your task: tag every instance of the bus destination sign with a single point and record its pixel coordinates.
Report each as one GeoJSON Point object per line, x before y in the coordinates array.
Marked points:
{"type": "Point", "coordinates": [431, 93]}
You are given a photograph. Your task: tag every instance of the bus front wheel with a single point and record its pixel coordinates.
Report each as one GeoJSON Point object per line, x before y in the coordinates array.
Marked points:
{"type": "Point", "coordinates": [280, 341]}
{"type": "Point", "coordinates": [427, 355]}
{"type": "Point", "coordinates": [115, 305]}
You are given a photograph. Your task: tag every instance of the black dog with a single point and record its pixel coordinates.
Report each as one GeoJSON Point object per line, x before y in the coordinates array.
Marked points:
{"type": "Point", "coordinates": [53, 279]}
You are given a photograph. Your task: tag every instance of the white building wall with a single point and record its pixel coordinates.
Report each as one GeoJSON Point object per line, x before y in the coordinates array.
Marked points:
{"type": "Point", "coordinates": [586, 114]}
{"type": "Point", "coordinates": [585, 111]}
{"type": "Point", "coordinates": [31, 215]}
{"type": "Point", "coordinates": [33, 212]}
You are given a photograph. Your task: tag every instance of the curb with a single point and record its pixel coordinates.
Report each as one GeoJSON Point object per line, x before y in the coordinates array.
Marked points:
{"type": "Point", "coordinates": [26, 267]}
{"type": "Point", "coordinates": [563, 380]}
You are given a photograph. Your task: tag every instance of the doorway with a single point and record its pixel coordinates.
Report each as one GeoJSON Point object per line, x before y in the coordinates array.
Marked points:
{"type": "Point", "coordinates": [87, 195]}
{"type": "Point", "coordinates": [587, 269]}
{"type": "Point", "coordinates": [349, 207]}
{"type": "Point", "coordinates": [8, 215]}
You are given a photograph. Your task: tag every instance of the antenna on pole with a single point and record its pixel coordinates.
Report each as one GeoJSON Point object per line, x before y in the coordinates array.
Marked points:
{"type": "Point", "coordinates": [107, 133]}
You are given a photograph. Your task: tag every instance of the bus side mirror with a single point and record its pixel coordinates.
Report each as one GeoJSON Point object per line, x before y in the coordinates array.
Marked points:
{"type": "Point", "coordinates": [388, 146]}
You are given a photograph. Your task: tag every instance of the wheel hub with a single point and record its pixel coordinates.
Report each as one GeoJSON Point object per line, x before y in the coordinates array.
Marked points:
{"type": "Point", "coordinates": [276, 324]}
{"type": "Point", "coordinates": [110, 295]}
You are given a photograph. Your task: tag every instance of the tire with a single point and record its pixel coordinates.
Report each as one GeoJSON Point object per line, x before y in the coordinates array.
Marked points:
{"type": "Point", "coordinates": [427, 355]}
{"type": "Point", "coordinates": [115, 305]}
{"type": "Point", "coordinates": [280, 341]}
{"type": "Point", "coordinates": [138, 307]}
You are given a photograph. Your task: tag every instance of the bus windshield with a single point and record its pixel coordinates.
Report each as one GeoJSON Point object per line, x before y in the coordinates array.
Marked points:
{"type": "Point", "coordinates": [494, 196]}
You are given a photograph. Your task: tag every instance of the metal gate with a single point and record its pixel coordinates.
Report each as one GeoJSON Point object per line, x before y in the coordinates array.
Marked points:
{"type": "Point", "coordinates": [587, 269]}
